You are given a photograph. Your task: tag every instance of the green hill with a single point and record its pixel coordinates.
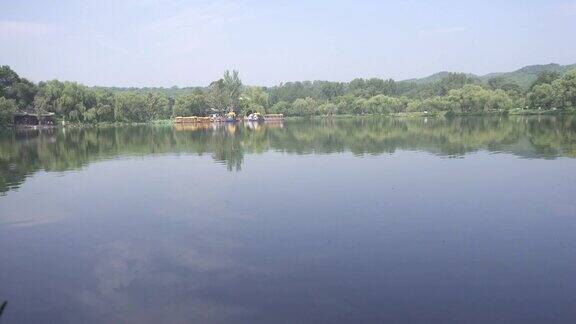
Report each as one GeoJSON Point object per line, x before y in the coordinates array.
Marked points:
{"type": "Point", "coordinates": [523, 77]}
{"type": "Point", "coordinates": [528, 74]}
{"type": "Point", "coordinates": [434, 77]}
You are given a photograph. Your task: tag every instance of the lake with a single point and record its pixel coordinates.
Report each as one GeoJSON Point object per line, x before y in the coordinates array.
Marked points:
{"type": "Point", "coordinates": [361, 220]}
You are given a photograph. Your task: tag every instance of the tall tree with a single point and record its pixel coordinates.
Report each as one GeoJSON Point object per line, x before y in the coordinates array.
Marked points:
{"type": "Point", "coordinates": [254, 99]}
{"type": "Point", "coordinates": [216, 97]}
{"type": "Point", "coordinates": [233, 88]}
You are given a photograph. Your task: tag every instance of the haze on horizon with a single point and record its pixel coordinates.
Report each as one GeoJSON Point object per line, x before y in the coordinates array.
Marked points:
{"type": "Point", "coordinates": [190, 43]}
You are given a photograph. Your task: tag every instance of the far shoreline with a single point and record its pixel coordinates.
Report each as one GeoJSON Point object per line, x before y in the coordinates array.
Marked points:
{"type": "Point", "coordinates": [399, 115]}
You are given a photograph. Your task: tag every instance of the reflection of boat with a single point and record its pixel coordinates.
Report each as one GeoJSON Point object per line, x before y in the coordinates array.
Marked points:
{"type": "Point", "coordinates": [274, 117]}
{"type": "Point", "coordinates": [193, 126]}
{"type": "Point", "coordinates": [274, 124]}
{"type": "Point", "coordinates": [252, 125]}
{"type": "Point", "coordinates": [231, 128]}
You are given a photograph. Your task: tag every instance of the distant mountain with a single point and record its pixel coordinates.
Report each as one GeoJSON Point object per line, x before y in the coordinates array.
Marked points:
{"type": "Point", "coordinates": [434, 77]}
{"type": "Point", "coordinates": [528, 74]}
{"type": "Point", "coordinates": [523, 77]}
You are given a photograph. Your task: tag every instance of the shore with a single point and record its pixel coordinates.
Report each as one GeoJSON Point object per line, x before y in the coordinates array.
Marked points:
{"type": "Point", "coordinates": [442, 114]}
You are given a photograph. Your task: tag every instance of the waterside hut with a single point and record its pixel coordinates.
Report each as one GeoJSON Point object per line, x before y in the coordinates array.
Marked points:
{"type": "Point", "coordinates": [24, 118]}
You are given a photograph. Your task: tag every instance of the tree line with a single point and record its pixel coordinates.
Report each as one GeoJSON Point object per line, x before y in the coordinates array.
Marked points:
{"type": "Point", "coordinates": [454, 93]}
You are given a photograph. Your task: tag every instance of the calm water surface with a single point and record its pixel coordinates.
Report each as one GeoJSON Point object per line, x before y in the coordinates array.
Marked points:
{"type": "Point", "coordinates": [466, 220]}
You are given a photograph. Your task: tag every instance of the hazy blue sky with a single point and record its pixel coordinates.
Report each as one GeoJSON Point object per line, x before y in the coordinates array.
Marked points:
{"type": "Point", "coordinates": [169, 42]}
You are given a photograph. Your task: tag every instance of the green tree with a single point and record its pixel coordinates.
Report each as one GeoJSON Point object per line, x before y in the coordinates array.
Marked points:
{"type": "Point", "coordinates": [90, 115]}
{"type": "Point", "coordinates": [128, 107]}
{"type": "Point", "coordinates": [345, 103]}
{"type": "Point", "coordinates": [253, 99]}
{"type": "Point", "coordinates": [216, 97]}
{"type": "Point", "coordinates": [190, 105]}
{"type": "Point", "coordinates": [232, 88]}
{"type": "Point", "coordinates": [157, 106]}
{"type": "Point", "coordinates": [565, 90]}
{"type": "Point", "coordinates": [7, 109]}
{"type": "Point", "coordinates": [382, 104]}
{"type": "Point", "coordinates": [474, 98]}
{"type": "Point", "coordinates": [281, 107]}
{"type": "Point", "coordinates": [450, 82]}
{"type": "Point", "coordinates": [8, 78]}
{"type": "Point", "coordinates": [328, 109]}
{"type": "Point", "coordinates": [542, 96]}
{"type": "Point", "coordinates": [105, 101]}
{"type": "Point", "coordinates": [503, 83]}
{"type": "Point", "coordinates": [546, 77]}
{"type": "Point", "coordinates": [48, 95]}
{"type": "Point", "coordinates": [16, 88]}
{"type": "Point", "coordinates": [330, 90]}
{"type": "Point", "coordinates": [304, 107]}
{"type": "Point", "coordinates": [74, 100]}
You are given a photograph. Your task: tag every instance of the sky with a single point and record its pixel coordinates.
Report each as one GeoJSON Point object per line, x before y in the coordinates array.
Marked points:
{"type": "Point", "coordinates": [190, 43]}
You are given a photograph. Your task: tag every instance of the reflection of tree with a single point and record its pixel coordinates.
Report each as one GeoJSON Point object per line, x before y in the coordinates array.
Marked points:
{"type": "Point", "coordinates": [23, 153]}
{"type": "Point", "coordinates": [227, 147]}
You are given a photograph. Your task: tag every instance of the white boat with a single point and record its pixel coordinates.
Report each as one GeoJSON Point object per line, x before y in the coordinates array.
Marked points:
{"type": "Point", "coordinates": [255, 117]}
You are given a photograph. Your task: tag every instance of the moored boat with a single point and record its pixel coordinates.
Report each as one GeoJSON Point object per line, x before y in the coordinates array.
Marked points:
{"type": "Point", "coordinates": [231, 117]}
{"type": "Point", "coordinates": [274, 117]}
{"type": "Point", "coordinates": [192, 119]}
{"type": "Point", "coordinates": [255, 117]}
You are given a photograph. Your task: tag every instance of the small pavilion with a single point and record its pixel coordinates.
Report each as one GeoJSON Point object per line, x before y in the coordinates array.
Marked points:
{"type": "Point", "coordinates": [24, 118]}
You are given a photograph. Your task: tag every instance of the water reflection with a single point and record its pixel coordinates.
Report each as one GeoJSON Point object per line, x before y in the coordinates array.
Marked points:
{"type": "Point", "coordinates": [149, 229]}
{"type": "Point", "coordinates": [25, 152]}
{"type": "Point", "coordinates": [160, 279]}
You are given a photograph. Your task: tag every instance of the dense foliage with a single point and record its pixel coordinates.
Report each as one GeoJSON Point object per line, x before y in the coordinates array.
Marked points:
{"type": "Point", "coordinates": [447, 92]}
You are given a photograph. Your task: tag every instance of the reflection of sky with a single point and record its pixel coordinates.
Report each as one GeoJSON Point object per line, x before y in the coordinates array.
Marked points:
{"type": "Point", "coordinates": [408, 236]}
{"type": "Point", "coordinates": [155, 281]}
{"type": "Point", "coordinates": [155, 229]}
